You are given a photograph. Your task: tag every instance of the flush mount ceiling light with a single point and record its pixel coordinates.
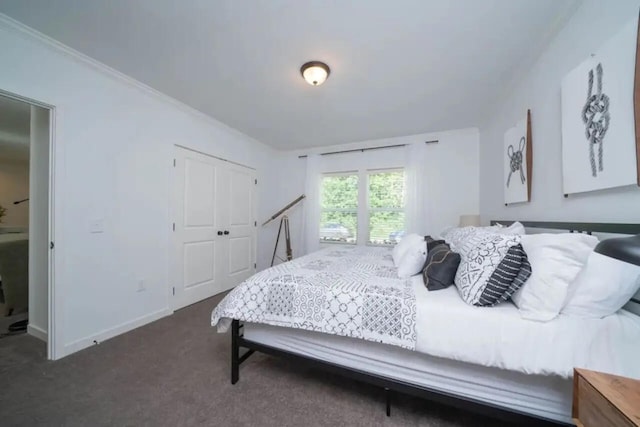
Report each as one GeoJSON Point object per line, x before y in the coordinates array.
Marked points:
{"type": "Point", "coordinates": [315, 72]}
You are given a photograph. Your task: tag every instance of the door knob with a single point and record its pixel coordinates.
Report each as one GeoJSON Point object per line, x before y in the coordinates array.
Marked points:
{"type": "Point", "coordinates": [226, 232]}
{"type": "Point", "coordinates": [219, 233]}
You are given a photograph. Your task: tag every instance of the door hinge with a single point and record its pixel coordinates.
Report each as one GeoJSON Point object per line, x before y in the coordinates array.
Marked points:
{"type": "Point", "coordinates": [255, 223]}
{"type": "Point", "coordinates": [174, 226]}
{"type": "Point", "coordinates": [174, 290]}
{"type": "Point", "coordinates": [256, 180]}
{"type": "Point", "coordinates": [174, 163]}
{"type": "Point", "coordinates": [51, 245]}
{"type": "Point", "coordinates": [255, 265]}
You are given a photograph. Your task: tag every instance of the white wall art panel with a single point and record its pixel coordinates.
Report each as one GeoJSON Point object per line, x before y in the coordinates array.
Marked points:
{"type": "Point", "coordinates": [598, 127]}
{"type": "Point", "coordinates": [516, 179]}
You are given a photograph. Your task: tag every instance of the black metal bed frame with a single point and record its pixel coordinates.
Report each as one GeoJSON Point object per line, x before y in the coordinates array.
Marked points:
{"type": "Point", "coordinates": [390, 385]}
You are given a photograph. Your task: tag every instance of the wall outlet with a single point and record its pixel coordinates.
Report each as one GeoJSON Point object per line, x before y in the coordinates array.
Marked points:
{"type": "Point", "coordinates": [141, 286]}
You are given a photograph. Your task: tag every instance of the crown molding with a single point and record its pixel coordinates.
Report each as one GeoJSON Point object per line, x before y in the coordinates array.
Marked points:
{"type": "Point", "coordinates": [30, 34]}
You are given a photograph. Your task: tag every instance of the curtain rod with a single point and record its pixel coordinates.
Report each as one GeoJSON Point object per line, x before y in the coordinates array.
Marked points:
{"type": "Point", "coordinates": [435, 141]}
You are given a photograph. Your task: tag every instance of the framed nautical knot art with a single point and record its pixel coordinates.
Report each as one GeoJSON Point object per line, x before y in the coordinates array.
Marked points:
{"type": "Point", "coordinates": [518, 162]}
{"type": "Point", "coordinates": [600, 148]}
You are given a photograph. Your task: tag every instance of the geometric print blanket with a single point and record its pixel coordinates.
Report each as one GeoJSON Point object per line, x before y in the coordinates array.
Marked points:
{"type": "Point", "coordinates": [352, 291]}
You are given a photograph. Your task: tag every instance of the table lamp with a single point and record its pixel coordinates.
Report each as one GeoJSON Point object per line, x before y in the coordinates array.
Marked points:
{"type": "Point", "coordinates": [469, 220]}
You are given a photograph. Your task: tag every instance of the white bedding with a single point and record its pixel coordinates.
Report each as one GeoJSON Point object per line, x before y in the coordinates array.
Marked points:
{"type": "Point", "coordinates": [445, 326]}
{"type": "Point", "coordinates": [499, 337]}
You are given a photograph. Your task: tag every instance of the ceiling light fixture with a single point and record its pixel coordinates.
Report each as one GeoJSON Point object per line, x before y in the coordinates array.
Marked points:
{"type": "Point", "coordinates": [315, 72]}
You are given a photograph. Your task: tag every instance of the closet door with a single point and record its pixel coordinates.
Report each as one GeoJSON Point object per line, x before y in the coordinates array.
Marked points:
{"type": "Point", "coordinates": [199, 242]}
{"type": "Point", "coordinates": [214, 230]}
{"type": "Point", "coordinates": [240, 215]}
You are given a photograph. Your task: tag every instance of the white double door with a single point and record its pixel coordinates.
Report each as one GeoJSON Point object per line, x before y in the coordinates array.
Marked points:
{"type": "Point", "coordinates": [214, 230]}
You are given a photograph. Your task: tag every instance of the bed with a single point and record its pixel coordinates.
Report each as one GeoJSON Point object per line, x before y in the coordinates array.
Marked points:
{"type": "Point", "coordinates": [429, 344]}
{"type": "Point", "coordinates": [14, 272]}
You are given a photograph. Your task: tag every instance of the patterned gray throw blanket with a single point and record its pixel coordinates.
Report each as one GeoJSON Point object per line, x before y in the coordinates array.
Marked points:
{"type": "Point", "coordinates": [349, 291]}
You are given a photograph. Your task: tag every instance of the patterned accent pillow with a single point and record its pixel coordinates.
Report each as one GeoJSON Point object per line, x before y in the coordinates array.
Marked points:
{"type": "Point", "coordinates": [456, 237]}
{"type": "Point", "coordinates": [457, 234]}
{"type": "Point", "coordinates": [432, 243]}
{"type": "Point", "coordinates": [440, 267]}
{"type": "Point", "coordinates": [492, 267]}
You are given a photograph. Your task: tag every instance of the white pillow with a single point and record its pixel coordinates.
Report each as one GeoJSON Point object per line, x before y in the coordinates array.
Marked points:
{"type": "Point", "coordinates": [556, 259]}
{"type": "Point", "coordinates": [404, 245]}
{"type": "Point", "coordinates": [602, 287]}
{"type": "Point", "coordinates": [413, 260]}
{"type": "Point", "coordinates": [514, 229]}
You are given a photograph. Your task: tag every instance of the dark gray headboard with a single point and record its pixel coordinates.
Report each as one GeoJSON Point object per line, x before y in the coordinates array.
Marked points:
{"type": "Point", "coordinates": [589, 228]}
{"type": "Point", "coordinates": [580, 227]}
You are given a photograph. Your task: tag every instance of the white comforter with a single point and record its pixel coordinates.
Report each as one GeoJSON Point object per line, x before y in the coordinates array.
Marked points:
{"type": "Point", "coordinates": [499, 337]}
{"type": "Point", "coordinates": [445, 326]}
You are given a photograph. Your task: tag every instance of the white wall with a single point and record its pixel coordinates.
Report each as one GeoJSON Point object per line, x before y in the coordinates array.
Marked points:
{"type": "Point", "coordinates": [39, 222]}
{"type": "Point", "coordinates": [14, 185]}
{"type": "Point", "coordinates": [594, 22]}
{"type": "Point", "coordinates": [451, 172]}
{"type": "Point", "coordinates": [113, 151]}
{"type": "Point", "coordinates": [285, 179]}
{"type": "Point", "coordinates": [112, 154]}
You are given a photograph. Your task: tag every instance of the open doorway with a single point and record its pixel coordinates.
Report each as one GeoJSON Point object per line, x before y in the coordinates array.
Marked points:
{"type": "Point", "coordinates": [25, 224]}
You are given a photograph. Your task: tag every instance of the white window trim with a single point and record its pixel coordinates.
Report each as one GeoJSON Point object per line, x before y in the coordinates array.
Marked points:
{"type": "Point", "coordinates": [362, 215]}
{"type": "Point", "coordinates": [369, 209]}
{"type": "Point", "coordinates": [348, 210]}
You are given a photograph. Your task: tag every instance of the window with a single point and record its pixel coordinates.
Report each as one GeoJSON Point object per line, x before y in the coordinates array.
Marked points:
{"type": "Point", "coordinates": [386, 207]}
{"type": "Point", "coordinates": [369, 204]}
{"type": "Point", "coordinates": [339, 208]}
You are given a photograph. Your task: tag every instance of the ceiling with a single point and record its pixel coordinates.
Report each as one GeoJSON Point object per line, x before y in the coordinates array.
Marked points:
{"type": "Point", "coordinates": [15, 119]}
{"type": "Point", "coordinates": [397, 67]}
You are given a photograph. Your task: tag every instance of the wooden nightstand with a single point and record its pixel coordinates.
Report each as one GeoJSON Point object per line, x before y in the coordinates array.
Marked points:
{"type": "Point", "coordinates": [604, 400]}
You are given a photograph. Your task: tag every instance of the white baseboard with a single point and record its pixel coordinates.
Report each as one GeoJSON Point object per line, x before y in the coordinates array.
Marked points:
{"type": "Point", "coordinates": [37, 332]}
{"type": "Point", "coordinates": [104, 335]}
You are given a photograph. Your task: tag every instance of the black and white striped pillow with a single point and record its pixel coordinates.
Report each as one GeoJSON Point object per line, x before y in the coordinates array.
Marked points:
{"type": "Point", "coordinates": [492, 268]}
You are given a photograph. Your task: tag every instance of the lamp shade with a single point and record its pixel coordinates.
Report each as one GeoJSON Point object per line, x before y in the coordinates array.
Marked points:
{"type": "Point", "coordinates": [469, 220]}
{"type": "Point", "coordinates": [625, 249]}
{"type": "Point", "coordinates": [315, 72]}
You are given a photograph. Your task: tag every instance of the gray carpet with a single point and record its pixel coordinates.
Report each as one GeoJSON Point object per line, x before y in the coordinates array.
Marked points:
{"type": "Point", "coordinates": [175, 372]}
{"type": "Point", "coordinates": [6, 321]}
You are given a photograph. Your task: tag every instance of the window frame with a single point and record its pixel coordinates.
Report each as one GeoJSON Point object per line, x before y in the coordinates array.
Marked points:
{"type": "Point", "coordinates": [369, 209]}
{"type": "Point", "coordinates": [355, 210]}
{"type": "Point", "coordinates": [363, 207]}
